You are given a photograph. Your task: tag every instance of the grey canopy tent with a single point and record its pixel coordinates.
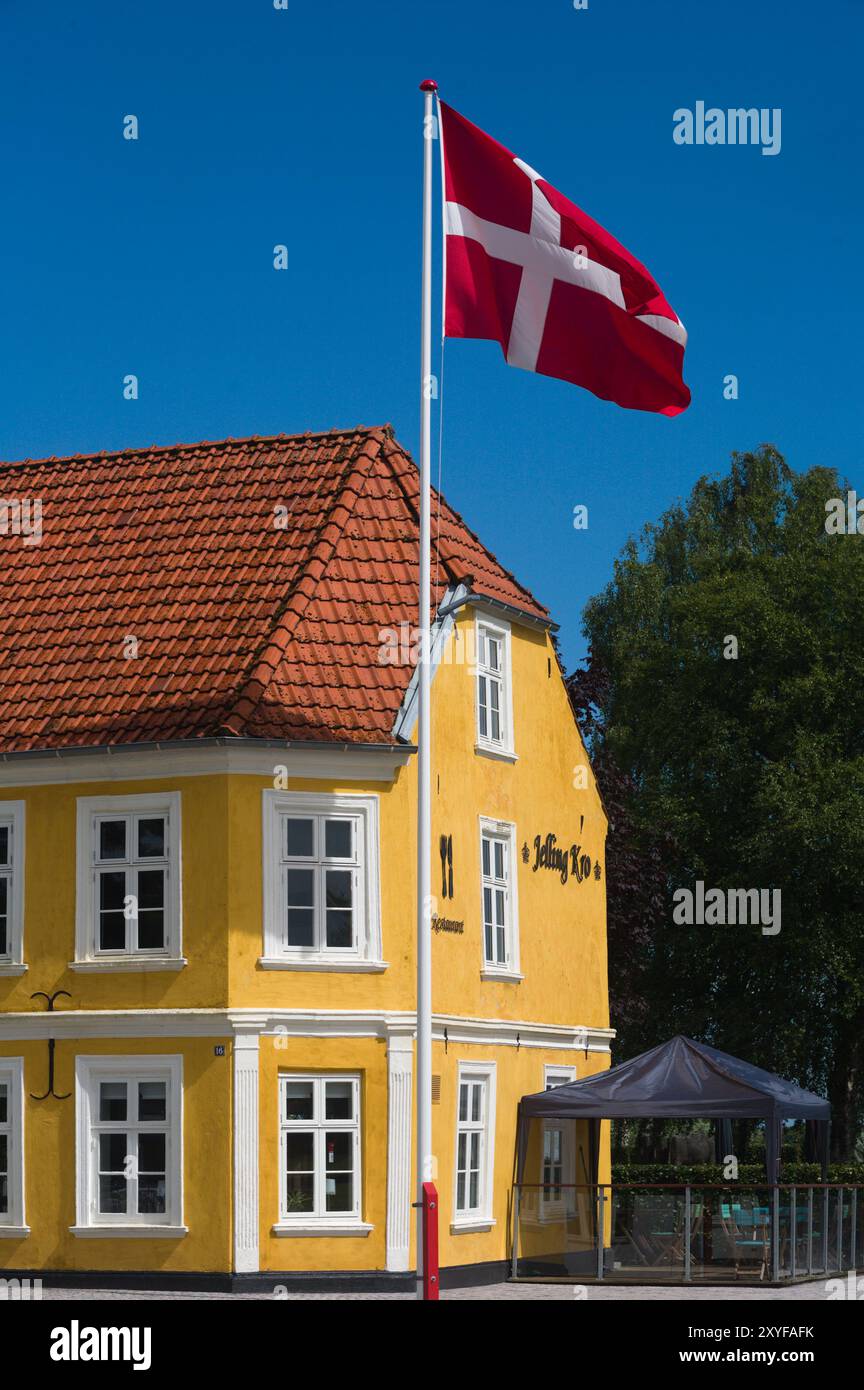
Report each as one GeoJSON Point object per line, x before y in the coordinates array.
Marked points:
{"type": "Point", "coordinates": [687, 1079]}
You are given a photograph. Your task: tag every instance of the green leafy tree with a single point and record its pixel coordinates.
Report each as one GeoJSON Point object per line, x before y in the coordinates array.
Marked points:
{"type": "Point", "coordinates": [745, 757]}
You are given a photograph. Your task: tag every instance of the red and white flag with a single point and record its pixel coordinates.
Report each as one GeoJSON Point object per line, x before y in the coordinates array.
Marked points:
{"type": "Point", "coordinates": [528, 269]}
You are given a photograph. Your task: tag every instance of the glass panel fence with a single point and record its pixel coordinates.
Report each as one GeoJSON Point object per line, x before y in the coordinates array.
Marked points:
{"type": "Point", "coordinates": [681, 1234]}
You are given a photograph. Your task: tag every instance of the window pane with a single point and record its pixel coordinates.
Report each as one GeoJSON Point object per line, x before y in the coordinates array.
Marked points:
{"type": "Point", "coordinates": [340, 931]}
{"type": "Point", "coordinates": [151, 838]}
{"type": "Point", "coordinates": [487, 863]}
{"type": "Point", "coordinates": [299, 1151]}
{"type": "Point", "coordinates": [151, 915]}
{"type": "Point", "coordinates": [112, 1100]}
{"type": "Point", "coordinates": [493, 653]}
{"type": "Point", "coordinates": [339, 1148]}
{"type": "Point", "coordinates": [337, 839]}
{"type": "Point", "coordinates": [300, 837]}
{"type": "Point", "coordinates": [299, 1192]}
{"type": "Point", "coordinates": [4, 1154]}
{"type": "Point", "coordinates": [112, 1194]}
{"type": "Point", "coordinates": [481, 707]}
{"type": "Point", "coordinates": [463, 1102]}
{"type": "Point", "coordinates": [340, 1192]}
{"type": "Point", "coordinates": [474, 1191]}
{"type": "Point", "coordinates": [499, 858]}
{"type": "Point", "coordinates": [476, 1092]}
{"type": "Point", "coordinates": [299, 1103]}
{"type": "Point", "coordinates": [112, 923]}
{"type": "Point", "coordinates": [4, 844]}
{"type": "Point", "coordinates": [112, 1153]}
{"type": "Point", "coordinates": [151, 1100]}
{"type": "Point", "coordinates": [494, 712]}
{"type": "Point", "coordinates": [339, 1100]}
{"type": "Point", "coordinates": [4, 1104]}
{"type": "Point", "coordinates": [112, 839]}
{"type": "Point", "coordinates": [301, 915]}
{"type": "Point", "coordinates": [460, 1192]}
{"type": "Point", "coordinates": [151, 1153]}
{"type": "Point", "coordinates": [151, 1194]}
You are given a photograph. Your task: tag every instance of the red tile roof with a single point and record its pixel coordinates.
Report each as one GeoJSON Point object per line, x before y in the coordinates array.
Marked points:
{"type": "Point", "coordinates": [243, 627]}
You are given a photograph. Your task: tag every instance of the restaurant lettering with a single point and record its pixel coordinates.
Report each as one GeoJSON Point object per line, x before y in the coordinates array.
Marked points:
{"type": "Point", "coordinates": [566, 863]}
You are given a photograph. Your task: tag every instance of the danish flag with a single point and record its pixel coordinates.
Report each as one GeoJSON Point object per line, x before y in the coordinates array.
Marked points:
{"type": "Point", "coordinates": [528, 269]}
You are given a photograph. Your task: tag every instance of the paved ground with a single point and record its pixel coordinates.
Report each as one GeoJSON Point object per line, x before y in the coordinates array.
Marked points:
{"type": "Point", "coordinates": [564, 1293]}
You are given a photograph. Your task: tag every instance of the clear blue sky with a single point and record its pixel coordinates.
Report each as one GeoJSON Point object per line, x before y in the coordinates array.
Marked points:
{"type": "Point", "coordinates": [259, 126]}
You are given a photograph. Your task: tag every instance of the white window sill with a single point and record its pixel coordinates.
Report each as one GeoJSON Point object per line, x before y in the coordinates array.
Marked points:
{"type": "Point", "coordinates": [325, 963]}
{"type": "Point", "coordinates": [306, 1229]}
{"type": "Point", "coordinates": [469, 1225]}
{"type": "Point", "coordinates": [123, 965]}
{"type": "Point", "coordinates": [494, 972]}
{"type": "Point", "coordinates": [10, 968]}
{"type": "Point", "coordinates": [125, 1232]}
{"type": "Point", "coordinates": [493, 750]}
{"type": "Point", "coordinates": [14, 1232]}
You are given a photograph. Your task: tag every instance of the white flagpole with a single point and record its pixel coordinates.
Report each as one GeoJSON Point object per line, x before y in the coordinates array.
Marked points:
{"type": "Point", "coordinates": [424, 741]}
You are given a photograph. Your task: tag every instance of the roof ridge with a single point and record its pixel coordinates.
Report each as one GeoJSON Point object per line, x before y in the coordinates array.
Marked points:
{"type": "Point", "coordinates": [197, 445]}
{"type": "Point", "coordinates": [261, 669]}
{"type": "Point", "coordinates": [393, 443]}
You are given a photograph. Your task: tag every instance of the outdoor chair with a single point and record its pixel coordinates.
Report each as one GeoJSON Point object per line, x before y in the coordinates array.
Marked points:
{"type": "Point", "coordinates": [738, 1225]}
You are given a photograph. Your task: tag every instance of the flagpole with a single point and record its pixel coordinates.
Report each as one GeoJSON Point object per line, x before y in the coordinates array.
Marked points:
{"type": "Point", "coordinates": [424, 743]}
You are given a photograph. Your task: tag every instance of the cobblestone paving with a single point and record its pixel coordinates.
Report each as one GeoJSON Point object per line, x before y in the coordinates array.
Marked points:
{"type": "Point", "coordinates": [491, 1292]}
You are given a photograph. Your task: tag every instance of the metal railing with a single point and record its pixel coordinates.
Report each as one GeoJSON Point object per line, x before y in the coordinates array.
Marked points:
{"type": "Point", "coordinates": [687, 1232]}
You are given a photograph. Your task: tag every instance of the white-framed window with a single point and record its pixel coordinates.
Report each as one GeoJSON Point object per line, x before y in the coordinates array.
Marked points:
{"type": "Point", "coordinates": [494, 687]}
{"type": "Point", "coordinates": [321, 887]}
{"type": "Point", "coordinates": [11, 883]}
{"type": "Point", "coordinates": [499, 907]}
{"type": "Point", "coordinates": [475, 1145]}
{"type": "Point", "coordinates": [129, 872]}
{"type": "Point", "coordinates": [319, 1139]}
{"type": "Point", "coordinates": [11, 1143]}
{"type": "Point", "coordinates": [129, 1144]}
{"type": "Point", "coordinates": [558, 1166]}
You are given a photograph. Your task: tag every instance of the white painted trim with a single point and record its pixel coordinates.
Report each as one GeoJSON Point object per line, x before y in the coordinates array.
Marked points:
{"type": "Point", "coordinates": [14, 1233]}
{"type": "Point", "coordinates": [556, 1069]}
{"type": "Point", "coordinates": [130, 1232]}
{"type": "Point", "coordinates": [13, 969]}
{"type": "Point", "coordinates": [400, 1065]}
{"type": "Point", "coordinates": [86, 926]}
{"type": "Point", "coordinates": [12, 1075]}
{"type": "Point", "coordinates": [499, 755]}
{"type": "Point", "coordinates": [275, 804]}
{"type": "Point", "coordinates": [166, 761]}
{"type": "Point", "coordinates": [246, 1052]}
{"type": "Point", "coordinates": [130, 965]}
{"type": "Point", "coordinates": [500, 628]}
{"type": "Point", "coordinates": [326, 966]}
{"type": "Point", "coordinates": [357, 1229]}
{"type": "Point", "coordinates": [488, 969]}
{"type": "Point", "coordinates": [13, 960]}
{"type": "Point", "coordinates": [482, 1219]}
{"type": "Point", "coordinates": [88, 1068]}
{"type": "Point", "coordinates": [318, 1220]}
{"type": "Point", "coordinates": [301, 1023]}
{"type": "Point", "coordinates": [470, 1226]}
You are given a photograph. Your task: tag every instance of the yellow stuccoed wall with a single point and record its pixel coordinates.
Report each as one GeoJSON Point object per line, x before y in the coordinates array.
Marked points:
{"type": "Point", "coordinates": [49, 1149]}
{"type": "Point", "coordinates": [563, 961]}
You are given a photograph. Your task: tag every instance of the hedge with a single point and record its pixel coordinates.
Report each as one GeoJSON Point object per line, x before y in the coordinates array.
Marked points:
{"type": "Point", "coordinates": [751, 1173]}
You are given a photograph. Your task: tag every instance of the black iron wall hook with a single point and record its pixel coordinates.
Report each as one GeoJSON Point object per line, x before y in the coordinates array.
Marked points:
{"type": "Point", "coordinates": [40, 994]}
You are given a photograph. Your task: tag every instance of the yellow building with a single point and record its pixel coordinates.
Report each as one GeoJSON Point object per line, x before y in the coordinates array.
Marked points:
{"type": "Point", "coordinates": [207, 867]}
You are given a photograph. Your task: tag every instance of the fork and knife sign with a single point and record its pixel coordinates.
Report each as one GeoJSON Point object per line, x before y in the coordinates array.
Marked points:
{"type": "Point", "coordinates": [445, 845]}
